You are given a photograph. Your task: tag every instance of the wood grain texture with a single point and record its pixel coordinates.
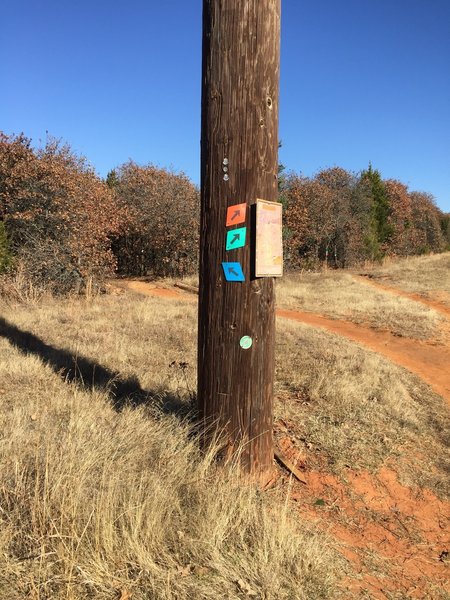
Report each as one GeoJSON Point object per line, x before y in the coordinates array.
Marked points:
{"type": "Point", "coordinates": [240, 91]}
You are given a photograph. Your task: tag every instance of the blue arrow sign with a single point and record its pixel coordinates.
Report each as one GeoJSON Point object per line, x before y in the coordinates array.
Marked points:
{"type": "Point", "coordinates": [236, 238]}
{"type": "Point", "coordinates": [233, 271]}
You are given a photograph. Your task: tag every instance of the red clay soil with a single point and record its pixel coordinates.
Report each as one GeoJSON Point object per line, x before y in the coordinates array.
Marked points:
{"type": "Point", "coordinates": [149, 289]}
{"type": "Point", "coordinates": [429, 360]}
{"type": "Point", "coordinates": [396, 538]}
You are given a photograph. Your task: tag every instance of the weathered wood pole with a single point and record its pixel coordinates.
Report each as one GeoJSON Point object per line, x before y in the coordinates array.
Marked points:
{"type": "Point", "coordinates": [239, 163]}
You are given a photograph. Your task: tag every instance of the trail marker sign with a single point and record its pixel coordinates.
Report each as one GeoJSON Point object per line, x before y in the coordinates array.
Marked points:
{"type": "Point", "coordinates": [236, 214]}
{"type": "Point", "coordinates": [236, 238]}
{"type": "Point", "coordinates": [269, 241]}
{"type": "Point", "coordinates": [233, 271]}
{"type": "Point", "coordinates": [246, 342]}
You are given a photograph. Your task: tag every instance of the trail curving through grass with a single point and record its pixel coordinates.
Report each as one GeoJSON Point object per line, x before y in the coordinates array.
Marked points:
{"type": "Point", "coordinates": [429, 360]}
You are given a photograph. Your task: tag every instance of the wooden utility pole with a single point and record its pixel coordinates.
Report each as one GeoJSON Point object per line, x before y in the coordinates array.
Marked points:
{"type": "Point", "coordinates": [239, 164]}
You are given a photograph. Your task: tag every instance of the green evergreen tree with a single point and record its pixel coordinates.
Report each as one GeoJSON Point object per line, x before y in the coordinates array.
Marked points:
{"type": "Point", "coordinates": [380, 229]}
{"type": "Point", "coordinates": [111, 179]}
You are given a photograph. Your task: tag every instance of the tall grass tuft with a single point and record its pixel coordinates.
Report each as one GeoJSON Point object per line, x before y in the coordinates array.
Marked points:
{"type": "Point", "coordinates": [96, 503]}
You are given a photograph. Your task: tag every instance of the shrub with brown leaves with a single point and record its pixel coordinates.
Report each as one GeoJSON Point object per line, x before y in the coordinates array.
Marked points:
{"type": "Point", "coordinates": [161, 231]}
{"type": "Point", "coordinates": [58, 214]}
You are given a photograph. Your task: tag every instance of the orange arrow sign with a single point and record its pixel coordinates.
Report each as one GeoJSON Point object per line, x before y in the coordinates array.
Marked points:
{"type": "Point", "coordinates": [236, 214]}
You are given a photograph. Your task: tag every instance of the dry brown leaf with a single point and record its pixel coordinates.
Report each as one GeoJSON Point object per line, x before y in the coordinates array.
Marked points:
{"type": "Point", "coordinates": [245, 588]}
{"type": "Point", "coordinates": [184, 571]}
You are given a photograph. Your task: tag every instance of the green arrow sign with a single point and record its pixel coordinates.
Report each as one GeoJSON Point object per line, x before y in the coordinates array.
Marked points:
{"type": "Point", "coordinates": [236, 238]}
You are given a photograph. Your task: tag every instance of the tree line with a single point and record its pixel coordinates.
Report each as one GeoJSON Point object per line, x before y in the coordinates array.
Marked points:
{"type": "Point", "coordinates": [342, 219]}
{"type": "Point", "coordinates": [63, 225]}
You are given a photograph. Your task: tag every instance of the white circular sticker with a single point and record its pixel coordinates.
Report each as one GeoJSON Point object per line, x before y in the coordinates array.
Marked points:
{"type": "Point", "coordinates": [246, 342]}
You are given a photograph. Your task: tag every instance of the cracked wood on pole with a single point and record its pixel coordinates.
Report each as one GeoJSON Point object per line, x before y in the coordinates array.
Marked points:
{"type": "Point", "coordinates": [239, 164]}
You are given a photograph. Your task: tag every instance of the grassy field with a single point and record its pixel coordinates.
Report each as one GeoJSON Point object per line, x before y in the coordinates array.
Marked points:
{"type": "Point", "coordinates": [427, 275]}
{"type": "Point", "coordinates": [104, 493]}
{"type": "Point", "coordinates": [345, 295]}
{"type": "Point", "coordinates": [341, 295]}
{"type": "Point", "coordinates": [356, 408]}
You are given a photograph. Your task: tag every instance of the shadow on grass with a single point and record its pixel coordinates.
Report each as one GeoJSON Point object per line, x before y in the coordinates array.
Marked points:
{"type": "Point", "coordinates": [89, 374]}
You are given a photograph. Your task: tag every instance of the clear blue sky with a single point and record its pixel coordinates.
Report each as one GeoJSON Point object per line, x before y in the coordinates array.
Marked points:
{"type": "Point", "coordinates": [360, 81]}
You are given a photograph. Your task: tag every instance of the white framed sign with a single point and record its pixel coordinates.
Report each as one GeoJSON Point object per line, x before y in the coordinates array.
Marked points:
{"type": "Point", "coordinates": [269, 239]}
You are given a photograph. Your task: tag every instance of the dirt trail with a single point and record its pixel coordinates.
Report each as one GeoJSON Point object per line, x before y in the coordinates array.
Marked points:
{"type": "Point", "coordinates": [150, 289]}
{"type": "Point", "coordinates": [396, 537]}
{"type": "Point", "coordinates": [435, 304]}
{"type": "Point", "coordinates": [429, 360]}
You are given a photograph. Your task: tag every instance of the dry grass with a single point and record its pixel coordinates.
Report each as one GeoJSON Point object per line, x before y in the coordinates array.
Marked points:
{"type": "Point", "coordinates": [419, 274]}
{"type": "Point", "coordinates": [103, 491]}
{"type": "Point", "coordinates": [16, 287]}
{"type": "Point", "coordinates": [352, 407]}
{"type": "Point", "coordinates": [97, 502]}
{"type": "Point", "coordinates": [338, 294]}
